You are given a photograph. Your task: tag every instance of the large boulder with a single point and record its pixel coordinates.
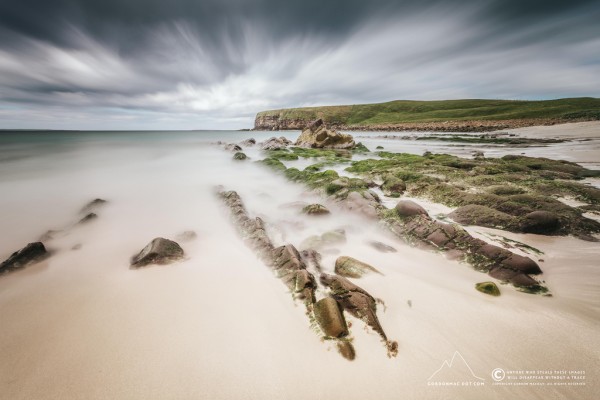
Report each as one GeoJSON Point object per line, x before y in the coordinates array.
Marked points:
{"type": "Point", "coordinates": [408, 208]}
{"type": "Point", "coordinates": [316, 135]}
{"type": "Point", "coordinates": [352, 268]}
{"type": "Point", "coordinates": [543, 222]}
{"type": "Point", "coordinates": [31, 253]}
{"type": "Point", "coordinates": [158, 251]}
{"type": "Point", "coordinates": [330, 317]}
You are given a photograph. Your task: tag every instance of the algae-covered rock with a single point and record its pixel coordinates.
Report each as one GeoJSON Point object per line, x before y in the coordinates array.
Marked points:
{"type": "Point", "coordinates": [316, 135]}
{"type": "Point", "coordinates": [273, 163]}
{"type": "Point", "coordinates": [315, 209]}
{"type": "Point", "coordinates": [239, 156]}
{"type": "Point", "coordinates": [29, 254]}
{"type": "Point", "coordinates": [488, 288]}
{"type": "Point", "coordinates": [474, 214]}
{"type": "Point", "coordinates": [542, 222]}
{"type": "Point", "coordinates": [408, 208]}
{"type": "Point", "coordinates": [393, 186]}
{"type": "Point", "coordinates": [352, 268]}
{"type": "Point", "coordinates": [158, 251]}
{"type": "Point", "coordinates": [330, 317]}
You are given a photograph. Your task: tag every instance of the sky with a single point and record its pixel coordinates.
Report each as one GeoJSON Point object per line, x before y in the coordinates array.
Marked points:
{"type": "Point", "coordinates": [213, 64]}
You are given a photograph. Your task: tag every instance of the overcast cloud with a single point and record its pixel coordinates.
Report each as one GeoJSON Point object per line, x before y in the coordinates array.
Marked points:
{"type": "Point", "coordinates": [204, 64]}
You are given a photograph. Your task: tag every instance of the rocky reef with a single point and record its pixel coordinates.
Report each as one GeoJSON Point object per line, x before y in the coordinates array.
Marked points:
{"type": "Point", "coordinates": [292, 268]}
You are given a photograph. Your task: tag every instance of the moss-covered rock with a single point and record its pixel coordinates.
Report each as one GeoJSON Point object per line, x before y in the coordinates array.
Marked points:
{"type": "Point", "coordinates": [393, 186]}
{"type": "Point", "coordinates": [273, 163]}
{"type": "Point", "coordinates": [239, 156]}
{"type": "Point", "coordinates": [474, 214]}
{"type": "Point", "coordinates": [488, 288]}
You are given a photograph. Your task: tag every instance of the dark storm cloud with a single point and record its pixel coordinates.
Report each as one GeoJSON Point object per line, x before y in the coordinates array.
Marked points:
{"type": "Point", "coordinates": [190, 63]}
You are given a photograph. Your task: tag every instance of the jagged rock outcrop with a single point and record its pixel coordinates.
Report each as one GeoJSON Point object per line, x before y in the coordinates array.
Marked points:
{"type": "Point", "coordinates": [29, 254]}
{"type": "Point", "coordinates": [317, 135]}
{"type": "Point", "coordinates": [291, 267]}
{"type": "Point", "coordinates": [359, 303]}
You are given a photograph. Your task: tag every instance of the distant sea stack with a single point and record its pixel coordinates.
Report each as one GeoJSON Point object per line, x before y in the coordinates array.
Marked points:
{"type": "Point", "coordinates": [442, 115]}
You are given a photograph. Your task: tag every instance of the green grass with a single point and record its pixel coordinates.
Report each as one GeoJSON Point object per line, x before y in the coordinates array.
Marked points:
{"type": "Point", "coordinates": [406, 111]}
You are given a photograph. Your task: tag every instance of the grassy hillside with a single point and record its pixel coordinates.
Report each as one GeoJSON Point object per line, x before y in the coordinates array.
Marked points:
{"type": "Point", "coordinates": [406, 111]}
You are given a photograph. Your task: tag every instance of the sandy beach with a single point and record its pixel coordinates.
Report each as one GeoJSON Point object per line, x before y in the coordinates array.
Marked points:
{"type": "Point", "coordinates": [219, 325]}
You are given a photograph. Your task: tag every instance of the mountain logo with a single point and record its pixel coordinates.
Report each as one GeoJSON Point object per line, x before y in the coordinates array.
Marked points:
{"type": "Point", "coordinates": [457, 369]}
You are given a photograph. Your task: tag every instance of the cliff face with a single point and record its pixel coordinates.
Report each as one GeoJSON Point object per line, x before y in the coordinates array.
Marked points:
{"type": "Point", "coordinates": [276, 123]}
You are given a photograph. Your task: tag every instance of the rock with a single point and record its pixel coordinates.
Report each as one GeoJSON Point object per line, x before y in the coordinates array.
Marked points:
{"type": "Point", "coordinates": [352, 268]}
{"type": "Point", "coordinates": [475, 214]}
{"type": "Point", "coordinates": [330, 318]}
{"type": "Point", "coordinates": [89, 217]}
{"type": "Point", "coordinates": [186, 236]}
{"type": "Point", "coordinates": [408, 208]}
{"type": "Point", "coordinates": [31, 253]}
{"type": "Point", "coordinates": [522, 280]}
{"type": "Point", "coordinates": [488, 288]}
{"type": "Point", "coordinates": [158, 251]}
{"type": "Point", "coordinates": [382, 247]}
{"type": "Point", "coordinates": [379, 148]}
{"type": "Point", "coordinates": [93, 205]}
{"type": "Point", "coordinates": [239, 156]}
{"type": "Point", "coordinates": [49, 235]}
{"type": "Point", "coordinates": [313, 242]}
{"type": "Point", "coordinates": [330, 238]}
{"type": "Point", "coordinates": [315, 209]}
{"type": "Point", "coordinates": [232, 147]}
{"type": "Point", "coordinates": [248, 142]}
{"type": "Point", "coordinates": [364, 203]}
{"type": "Point", "coordinates": [346, 349]}
{"type": "Point", "coordinates": [316, 135]}
{"type": "Point", "coordinates": [393, 187]}
{"type": "Point", "coordinates": [521, 264]}
{"type": "Point", "coordinates": [334, 237]}
{"type": "Point", "coordinates": [355, 300]}
{"type": "Point", "coordinates": [275, 143]}
{"type": "Point", "coordinates": [542, 222]}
